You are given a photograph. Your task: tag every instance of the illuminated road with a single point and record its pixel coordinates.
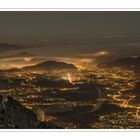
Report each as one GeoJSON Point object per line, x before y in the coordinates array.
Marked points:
{"type": "Point", "coordinates": [100, 100]}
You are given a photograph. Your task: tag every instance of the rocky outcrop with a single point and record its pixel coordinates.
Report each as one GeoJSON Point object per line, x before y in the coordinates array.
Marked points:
{"type": "Point", "coordinates": [126, 62]}
{"type": "Point", "coordinates": [14, 115]}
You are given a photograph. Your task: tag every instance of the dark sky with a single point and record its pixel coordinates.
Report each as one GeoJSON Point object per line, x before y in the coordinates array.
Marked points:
{"type": "Point", "coordinates": [32, 27]}
{"type": "Point", "coordinates": [69, 34]}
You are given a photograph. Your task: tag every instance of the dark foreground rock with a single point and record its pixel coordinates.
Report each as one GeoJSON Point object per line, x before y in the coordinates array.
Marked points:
{"type": "Point", "coordinates": [48, 125]}
{"type": "Point", "coordinates": [14, 115]}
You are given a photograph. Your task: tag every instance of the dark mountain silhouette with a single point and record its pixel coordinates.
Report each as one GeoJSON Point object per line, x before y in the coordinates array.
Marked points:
{"type": "Point", "coordinates": [127, 62]}
{"type": "Point", "coordinates": [47, 65]}
{"type": "Point", "coordinates": [51, 65]}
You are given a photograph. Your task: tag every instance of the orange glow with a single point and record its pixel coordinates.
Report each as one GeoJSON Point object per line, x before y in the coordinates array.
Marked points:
{"type": "Point", "coordinates": [28, 59]}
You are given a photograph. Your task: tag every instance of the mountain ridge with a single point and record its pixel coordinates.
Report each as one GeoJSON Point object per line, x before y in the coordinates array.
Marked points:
{"type": "Point", "coordinates": [46, 65]}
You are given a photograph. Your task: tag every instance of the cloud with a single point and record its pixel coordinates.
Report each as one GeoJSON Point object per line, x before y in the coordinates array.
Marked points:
{"type": "Point", "coordinates": [96, 55]}
{"type": "Point", "coordinates": [19, 60]}
{"type": "Point", "coordinates": [20, 54]}
{"type": "Point", "coordinates": [6, 47]}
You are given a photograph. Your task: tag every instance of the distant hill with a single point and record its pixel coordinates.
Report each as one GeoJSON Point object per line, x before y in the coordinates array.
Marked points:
{"type": "Point", "coordinates": [47, 65]}
{"type": "Point", "coordinates": [51, 65]}
{"type": "Point", "coordinates": [127, 62]}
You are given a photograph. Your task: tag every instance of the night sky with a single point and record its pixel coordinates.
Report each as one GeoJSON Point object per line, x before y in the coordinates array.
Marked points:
{"type": "Point", "coordinates": [69, 35]}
